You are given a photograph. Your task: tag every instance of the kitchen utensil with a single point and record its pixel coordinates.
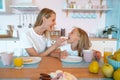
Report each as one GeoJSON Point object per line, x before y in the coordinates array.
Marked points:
{"type": "Point", "coordinates": [30, 23]}
{"type": "Point", "coordinates": [19, 26]}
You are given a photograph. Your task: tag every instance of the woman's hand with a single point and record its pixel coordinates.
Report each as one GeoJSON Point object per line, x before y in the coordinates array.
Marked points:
{"type": "Point", "coordinates": [59, 41]}
{"type": "Point", "coordinates": [63, 54]}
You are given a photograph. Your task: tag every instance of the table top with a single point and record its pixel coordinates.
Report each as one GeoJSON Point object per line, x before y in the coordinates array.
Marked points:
{"type": "Point", "coordinates": [47, 65]}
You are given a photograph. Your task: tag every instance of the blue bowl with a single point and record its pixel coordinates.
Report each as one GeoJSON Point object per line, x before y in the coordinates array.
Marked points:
{"type": "Point", "coordinates": [114, 63]}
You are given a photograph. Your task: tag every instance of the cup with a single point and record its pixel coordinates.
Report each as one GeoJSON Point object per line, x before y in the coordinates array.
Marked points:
{"type": "Point", "coordinates": [87, 55]}
{"type": "Point", "coordinates": [6, 58]}
{"type": "Point", "coordinates": [18, 62]}
{"type": "Point", "coordinates": [107, 52]}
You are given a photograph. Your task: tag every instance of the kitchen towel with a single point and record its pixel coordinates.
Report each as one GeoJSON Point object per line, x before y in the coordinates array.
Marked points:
{"type": "Point", "coordinates": [82, 64]}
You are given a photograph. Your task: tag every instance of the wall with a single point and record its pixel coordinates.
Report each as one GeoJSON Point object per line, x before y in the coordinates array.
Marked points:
{"type": "Point", "coordinates": [113, 18]}
{"type": "Point", "coordinates": [90, 25]}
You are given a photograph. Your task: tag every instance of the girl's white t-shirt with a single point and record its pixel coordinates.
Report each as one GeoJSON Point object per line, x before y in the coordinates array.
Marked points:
{"type": "Point", "coordinates": [32, 40]}
{"type": "Point", "coordinates": [67, 47]}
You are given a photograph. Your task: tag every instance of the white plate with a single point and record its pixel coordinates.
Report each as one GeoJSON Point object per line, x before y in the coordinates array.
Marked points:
{"type": "Point", "coordinates": [33, 60]}
{"type": "Point", "coordinates": [72, 59]}
{"type": "Point", "coordinates": [69, 76]}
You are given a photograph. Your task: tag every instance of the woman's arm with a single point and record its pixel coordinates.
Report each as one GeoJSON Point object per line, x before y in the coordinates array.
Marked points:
{"type": "Point", "coordinates": [32, 52]}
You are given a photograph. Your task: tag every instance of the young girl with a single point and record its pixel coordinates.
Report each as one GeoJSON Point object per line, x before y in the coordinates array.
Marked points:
{"type": "Point", "coordinates": [77, 41]}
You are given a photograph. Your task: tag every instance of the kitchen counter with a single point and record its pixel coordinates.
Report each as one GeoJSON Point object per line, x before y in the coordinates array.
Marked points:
{"type": "Point", "coordinates": [102, 39]}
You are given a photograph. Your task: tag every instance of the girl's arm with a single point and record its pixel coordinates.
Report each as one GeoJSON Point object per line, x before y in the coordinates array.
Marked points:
{"type": "Point", "coordinates": [59, 54]}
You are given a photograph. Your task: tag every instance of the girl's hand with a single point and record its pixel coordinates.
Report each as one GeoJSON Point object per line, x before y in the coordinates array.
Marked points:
{"type": "Point", "coordinates": [63, 54]}
{"type": "Point", "coordinates": [97, 55]}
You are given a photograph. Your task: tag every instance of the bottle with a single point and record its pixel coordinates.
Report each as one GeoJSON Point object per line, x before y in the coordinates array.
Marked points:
{"type": "Point", "coordinates": [62, 31]}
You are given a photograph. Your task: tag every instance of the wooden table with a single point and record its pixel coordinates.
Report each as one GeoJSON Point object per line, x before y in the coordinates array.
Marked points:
{"type": "Point", "coordinates": [47, 65]}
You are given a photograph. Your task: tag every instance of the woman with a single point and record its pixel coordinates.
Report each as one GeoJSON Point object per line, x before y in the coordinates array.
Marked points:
{"type": "Point", "coordinates": [35, 40]}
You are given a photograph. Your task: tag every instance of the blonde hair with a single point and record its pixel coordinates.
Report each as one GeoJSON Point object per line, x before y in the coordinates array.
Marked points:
{"type": "Point", "coordinates": [45, 12]}
{"type": "Point", "coordinates": [84, 42]}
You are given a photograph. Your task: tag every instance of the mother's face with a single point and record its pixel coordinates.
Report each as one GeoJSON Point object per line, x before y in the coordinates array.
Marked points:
{"type": "Point", "coordinates": [50, 22]}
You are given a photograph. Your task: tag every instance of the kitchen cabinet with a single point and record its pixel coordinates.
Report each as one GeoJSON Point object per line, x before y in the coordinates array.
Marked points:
{"type": "Point", "coordinates": [9, 43]}
{"type": "Point", "coordinates": [100, 44]}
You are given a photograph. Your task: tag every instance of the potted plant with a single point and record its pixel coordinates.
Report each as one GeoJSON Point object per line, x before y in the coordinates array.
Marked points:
{"type": "Point", "coordinates": [109, 31]}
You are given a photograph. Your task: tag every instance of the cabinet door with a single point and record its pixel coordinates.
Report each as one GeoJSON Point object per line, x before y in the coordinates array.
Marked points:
{"type": "Point", "coordinates": [112, 44]}
{"type": "Point", "coordinates": [100, 45]}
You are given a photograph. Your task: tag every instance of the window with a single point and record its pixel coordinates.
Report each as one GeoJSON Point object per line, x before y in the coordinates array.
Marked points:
{"type": "Point", "coordinates": [2, 5]}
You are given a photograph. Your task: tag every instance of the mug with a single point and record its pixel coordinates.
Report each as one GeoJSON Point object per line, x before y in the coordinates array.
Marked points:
{"type": "Point", "coordinates": [87, 55]}
{"type": "Point", "coordinates": [6, 58]}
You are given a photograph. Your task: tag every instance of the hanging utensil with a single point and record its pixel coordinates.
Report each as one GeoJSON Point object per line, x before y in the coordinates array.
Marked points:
{"type": "Point", "coordinates": [19, 26]}
{"type": "Point", "coordinates": [30, 23]}
{"type": "Point", "coordinates": [23, 20]}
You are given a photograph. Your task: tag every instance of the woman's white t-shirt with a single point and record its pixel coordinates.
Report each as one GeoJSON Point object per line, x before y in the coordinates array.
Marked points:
{"type": "Point", "coordinates": [67, 47]}
{"type": "Point", "coordinates": [32, 40]}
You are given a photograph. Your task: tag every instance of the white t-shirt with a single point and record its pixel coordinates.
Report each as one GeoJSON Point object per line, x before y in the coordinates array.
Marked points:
{"type": "Point", "coordinates": [67, 47]}
{"type": "Point", "coordinates": [32, 40]}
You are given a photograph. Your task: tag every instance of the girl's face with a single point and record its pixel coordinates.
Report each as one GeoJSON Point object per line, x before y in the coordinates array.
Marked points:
{"type": "Point", "coordinates": [50, 22]}
{"type": "Point", "coordinates": [73, 36]}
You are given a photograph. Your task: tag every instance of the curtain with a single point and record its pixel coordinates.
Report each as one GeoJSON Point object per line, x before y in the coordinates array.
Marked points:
{"type": "Point", "coordinates": [113, 18]}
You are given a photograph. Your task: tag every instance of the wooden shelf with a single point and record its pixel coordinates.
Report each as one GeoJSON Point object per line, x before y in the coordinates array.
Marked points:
{"type": "Point", "coordinates": [72, 9]}
{"type": "Point", "coordinates": [67, 10]}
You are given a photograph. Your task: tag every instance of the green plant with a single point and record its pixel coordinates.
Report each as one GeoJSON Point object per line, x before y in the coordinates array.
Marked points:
{"type": "Point", "coordinates": [111, 29]}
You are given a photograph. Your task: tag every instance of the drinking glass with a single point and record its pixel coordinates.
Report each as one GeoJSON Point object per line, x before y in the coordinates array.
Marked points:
{"type": "Point", "coordinates": [107, 52]}
{"type": "Point", "coordinates": [18, 62]}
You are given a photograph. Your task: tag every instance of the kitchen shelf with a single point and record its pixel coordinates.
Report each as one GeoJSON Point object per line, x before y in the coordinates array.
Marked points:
{"type": "Point", "coordinates": [25, 7]}
{"type": "Point", "coordinates": [9, 37]}
{"type": "Point", "coordinates": [85, 10]}
{"type": "Point", "coordinates": [72, 9]}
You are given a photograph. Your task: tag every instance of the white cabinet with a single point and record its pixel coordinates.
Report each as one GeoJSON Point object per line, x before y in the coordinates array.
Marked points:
{"type": "Point", "coordinates": [101, 44]}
